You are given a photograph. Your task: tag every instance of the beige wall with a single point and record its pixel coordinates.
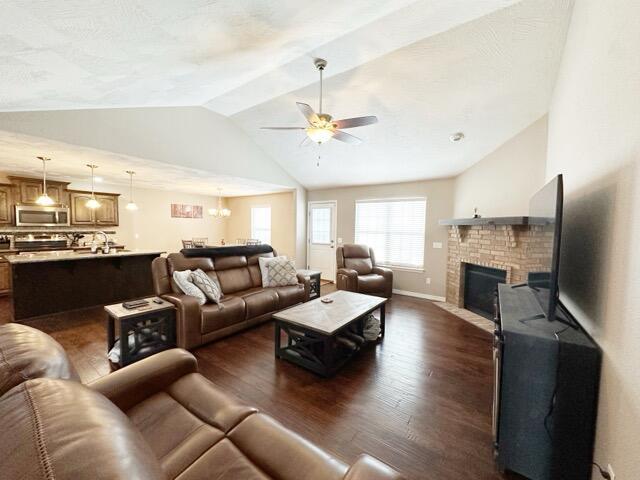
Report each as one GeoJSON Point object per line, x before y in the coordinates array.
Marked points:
{"type": "Point", "coordinates": [594, 141]}
{"type": "Point", "coordinates": [283, 220]}
{"type": "Point", "coordinates": [502, 183]}
{"type": "Point", "coordinates": [151, 226]}
{"type": "Point", "coordinates": [439, 194]}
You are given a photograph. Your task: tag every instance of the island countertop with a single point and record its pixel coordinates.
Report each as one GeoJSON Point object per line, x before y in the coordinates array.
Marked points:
{"type": "Point", "coordinates": [65, 255]}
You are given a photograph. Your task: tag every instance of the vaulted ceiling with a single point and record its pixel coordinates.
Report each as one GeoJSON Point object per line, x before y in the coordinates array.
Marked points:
{"type": "Point", "coordinates": [426, 68]}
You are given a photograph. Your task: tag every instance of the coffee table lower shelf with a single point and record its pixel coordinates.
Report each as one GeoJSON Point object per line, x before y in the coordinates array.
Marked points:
{"type": "Point", "coordinates": [316, 351]}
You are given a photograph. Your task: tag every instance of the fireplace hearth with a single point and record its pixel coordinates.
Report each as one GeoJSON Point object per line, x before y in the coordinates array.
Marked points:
{"type": "Point", "coordinates": [480, 284]}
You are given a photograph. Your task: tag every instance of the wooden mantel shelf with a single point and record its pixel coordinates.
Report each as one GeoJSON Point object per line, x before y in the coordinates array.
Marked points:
{"type": "Point", "coordinates": [486, 221]}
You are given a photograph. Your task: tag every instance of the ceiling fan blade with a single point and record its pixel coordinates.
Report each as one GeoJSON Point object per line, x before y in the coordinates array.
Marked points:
{"type": "Point", "coordinates": [305, 142]}
{"type": "Point", "coordinates": [347, 138]}
{"type": "Point", "coordinates": [356, 122]}
{"type": "Point", "coordinates": [282, 128]}
{"type": "Point", "coordinates": [308, 112]}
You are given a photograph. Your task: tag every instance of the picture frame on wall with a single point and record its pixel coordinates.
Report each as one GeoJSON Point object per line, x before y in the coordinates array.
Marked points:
{"type": "Point", "coordinates": [181, 210]}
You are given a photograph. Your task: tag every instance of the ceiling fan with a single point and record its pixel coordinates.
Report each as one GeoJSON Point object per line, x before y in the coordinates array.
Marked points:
{"type": "Point", "coordinates": [322, 127]}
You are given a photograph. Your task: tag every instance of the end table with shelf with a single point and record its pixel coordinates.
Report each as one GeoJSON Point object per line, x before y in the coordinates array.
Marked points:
{"type": "Point", "coordinates": [314, 282]}
{"type": "Point", "coordinates": [148, 329]}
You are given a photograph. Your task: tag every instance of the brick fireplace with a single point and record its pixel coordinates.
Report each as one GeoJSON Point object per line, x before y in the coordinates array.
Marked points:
{"type": "Point", "coordinates": [505, 243]}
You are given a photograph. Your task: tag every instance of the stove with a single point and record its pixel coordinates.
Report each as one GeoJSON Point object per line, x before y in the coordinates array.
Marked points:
{"type": "Point", "coordinates": [44, 241]}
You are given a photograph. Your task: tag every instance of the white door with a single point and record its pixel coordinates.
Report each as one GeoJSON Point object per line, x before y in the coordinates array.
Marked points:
{"type": "Point", "coordinates": [322, 239]}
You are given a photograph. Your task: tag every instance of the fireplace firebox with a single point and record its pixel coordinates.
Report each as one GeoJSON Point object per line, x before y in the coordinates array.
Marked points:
{"type": "Point", "coordinates": [480, 284]}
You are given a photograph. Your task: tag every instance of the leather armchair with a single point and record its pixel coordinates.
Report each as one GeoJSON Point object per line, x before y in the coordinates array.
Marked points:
{"type": "Point", "coordinates": [155, 419]}
{"type": "Point", "coordinates": [358, 272]}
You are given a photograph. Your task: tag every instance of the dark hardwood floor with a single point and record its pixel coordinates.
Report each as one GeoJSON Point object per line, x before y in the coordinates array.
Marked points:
{"type": "Point", "coordinates": [420, 401]}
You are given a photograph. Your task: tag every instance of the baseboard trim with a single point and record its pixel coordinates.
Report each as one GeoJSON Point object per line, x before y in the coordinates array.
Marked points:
{"type": "Point", "coordinates": [426, 296]}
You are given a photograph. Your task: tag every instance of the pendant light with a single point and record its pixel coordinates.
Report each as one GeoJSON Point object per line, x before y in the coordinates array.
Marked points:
{"type": "Point", "coordinates": [45, 200]}
{"type": "Point", "coordinates": [131, 205]}
{"type": "Point", "coordinates": [92, 203]}
{"type": "Point", "coordinates": [220, 212]}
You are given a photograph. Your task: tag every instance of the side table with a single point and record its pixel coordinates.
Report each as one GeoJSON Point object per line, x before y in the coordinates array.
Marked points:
{"type": "Point", "coordinates": [314, 282]}
{"type": "Point", "coordinates": [148, 329]}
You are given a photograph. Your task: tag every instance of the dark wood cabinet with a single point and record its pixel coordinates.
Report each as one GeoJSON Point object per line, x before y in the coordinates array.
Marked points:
{"type": "Point", "coordinates": [6, 213]}
{"type": "Point", "coordinates": [5, 279]}
{"type": "Point", "coordinates": [29, 189]}
{"type": "Point", "coordinates": [105, 215]}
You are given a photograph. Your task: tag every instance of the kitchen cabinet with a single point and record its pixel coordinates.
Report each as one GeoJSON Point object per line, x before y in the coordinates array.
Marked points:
{"type": "Point", "coordinates": [105, 215]}
{"type": "Point", "coordinates": [5, 279]}
{"type": "Point", "coordinates": [29, 189]}
{"type": "Point", "coordinates": [6, 213]}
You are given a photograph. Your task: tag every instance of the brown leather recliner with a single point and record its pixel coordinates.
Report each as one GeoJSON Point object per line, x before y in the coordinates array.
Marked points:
{"type": "Point", "coordinates": [245, 302]}
{"type": "Point", "coordinates": [358, 272]}
{"type": "Point", "coordinates": [155, 419]}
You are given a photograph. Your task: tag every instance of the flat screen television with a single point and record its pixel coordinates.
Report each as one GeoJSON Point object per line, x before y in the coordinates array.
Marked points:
{"type": "Point", "coordinates": [545, 212]}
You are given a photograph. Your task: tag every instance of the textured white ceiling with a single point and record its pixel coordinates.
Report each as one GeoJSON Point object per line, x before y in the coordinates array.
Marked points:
{"type": "Point", "coordinates": [426, 68]}
{"type": "Point", "coordinates": [69, 163]}
{"type": "Point", "coordinates": [489, 78]}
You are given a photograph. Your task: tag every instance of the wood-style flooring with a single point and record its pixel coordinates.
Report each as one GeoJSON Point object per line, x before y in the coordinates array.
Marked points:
{"type": "Point", "coordinates": [420, 401]}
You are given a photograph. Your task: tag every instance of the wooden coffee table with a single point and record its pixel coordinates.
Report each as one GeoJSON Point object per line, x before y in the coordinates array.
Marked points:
{"type": "Point", "coordinates": [320, 336]}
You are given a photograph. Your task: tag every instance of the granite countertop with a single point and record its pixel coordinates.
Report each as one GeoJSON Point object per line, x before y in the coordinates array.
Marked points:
{"type": "Point", "coordinates": [67, 255]}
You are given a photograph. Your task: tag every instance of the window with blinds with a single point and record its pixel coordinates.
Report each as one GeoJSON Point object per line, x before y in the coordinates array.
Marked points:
{"type": "Point", "coordinates": [394, 228]}
{"type": "Point", "coordinates": [261, 224]}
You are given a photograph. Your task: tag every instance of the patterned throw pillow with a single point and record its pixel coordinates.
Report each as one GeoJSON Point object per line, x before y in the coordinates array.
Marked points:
{"type": "Point", "coordinates": [183, 280]}
{"type": "Point", "coordinates": [281, 272]}
{"type": "Point", "coordinates": [264, 271]}
{"type": "Point", "coordinates": [211, 288]}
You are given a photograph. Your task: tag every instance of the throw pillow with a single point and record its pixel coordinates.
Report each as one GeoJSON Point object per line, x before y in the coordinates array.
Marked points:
{"type": "Point", "coordinates": [211, 288]}
{"type": "Point", "coordinates": [264, 272]}
{"type": "Point", "coordinates": [183, 280]}
{"type": "Point", "coordinates": [282, 272]}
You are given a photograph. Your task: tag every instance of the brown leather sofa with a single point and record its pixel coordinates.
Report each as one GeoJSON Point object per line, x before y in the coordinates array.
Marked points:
{"type": "Point", "coordinates": [244, 304]}
{"type": "Point", "coordinates": [358, 272]}
{"type": "Point", "coordinates": [155, 419]}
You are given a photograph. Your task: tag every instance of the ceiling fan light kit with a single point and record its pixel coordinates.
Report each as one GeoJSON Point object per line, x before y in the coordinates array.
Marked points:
{"type": "Point", "coordinates": [322, 127]}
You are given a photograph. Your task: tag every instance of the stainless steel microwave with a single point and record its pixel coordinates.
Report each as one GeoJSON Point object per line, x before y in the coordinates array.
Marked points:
{"type": "Point", "coordinates": [37, 216]}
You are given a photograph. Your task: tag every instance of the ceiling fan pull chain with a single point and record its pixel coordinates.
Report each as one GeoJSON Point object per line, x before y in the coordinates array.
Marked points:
{"type": "Point", "coordinates": [321, 70]}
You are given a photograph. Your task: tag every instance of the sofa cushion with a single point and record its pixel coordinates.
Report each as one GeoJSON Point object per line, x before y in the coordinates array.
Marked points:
{"type": "Point", "coordinates": [259, 301]}
{"type": "Point", "coordinates": [361, 265]}
{"type": "Point", "coordinates": [61, 429]}
{"type": "Point", "coordinates": [26, 353]}
{"type": "Point", "coordinates": [209, 286]}
{"type": "Point", "coordinates": [281, 272]}
{"type": "Point", "coordinates": [372, 283]}
{"type": "Point", "coordinates": [234, 279]}
{"type": "Point", "coordinates": [187, 420]}
{"type": "Point", "coordinates": [186, 286]}
{"type": "Point", "coordinates": [290, 295]}
{"type": "Point", "coordinates": [229, 311]}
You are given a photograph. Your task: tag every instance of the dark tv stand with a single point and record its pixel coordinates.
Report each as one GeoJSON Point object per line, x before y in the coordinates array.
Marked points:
{"type": "Point", "coordinates": [546, 389]}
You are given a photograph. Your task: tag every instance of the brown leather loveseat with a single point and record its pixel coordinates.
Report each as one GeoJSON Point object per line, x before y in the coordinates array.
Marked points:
{"type": "Point", "coordinates": [155, 419]}
{"type": "Point", "coordinates": [358, 272]}
{"type": "Point", "coordinates": [245, 302]}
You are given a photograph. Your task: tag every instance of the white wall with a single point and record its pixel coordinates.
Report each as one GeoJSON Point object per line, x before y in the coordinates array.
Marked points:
{"type": "Point", "coordinates": [594, 141]}
{"type": "Point", "coordinates": [502, 183]}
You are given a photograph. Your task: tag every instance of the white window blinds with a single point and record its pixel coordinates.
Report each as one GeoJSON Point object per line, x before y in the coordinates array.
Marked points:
{"type": "Point", "coordinates": [261, 224]}
{"type": "Point", "coordinates": [394, 228]}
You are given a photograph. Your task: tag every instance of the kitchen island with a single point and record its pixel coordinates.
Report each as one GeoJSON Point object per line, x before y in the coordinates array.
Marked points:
{"type": "Point", "coordinates": [52, 282]}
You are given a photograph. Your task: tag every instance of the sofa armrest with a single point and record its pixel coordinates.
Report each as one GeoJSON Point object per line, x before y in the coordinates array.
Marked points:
{"type": "Point", "coordinates": [134, 383]}
{"type": "Point", "coordinates": [387, 273]}
{"type": "Point", "coordinates": [187, 319]}
{"type": "Point", "coordinates": [307, 286]}
{"type": "Point", "coordinates": [347, 279]}
{"type": "Point", "coordinates": [367, 467]}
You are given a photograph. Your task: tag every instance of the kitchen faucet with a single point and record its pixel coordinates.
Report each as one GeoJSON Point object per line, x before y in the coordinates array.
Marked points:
{"type": "Point", "coordinates": [105, 248]}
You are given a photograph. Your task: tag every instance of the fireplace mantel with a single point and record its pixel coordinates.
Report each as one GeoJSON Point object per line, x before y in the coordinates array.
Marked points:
{"type": "Point", "coordinates": [459, 222]}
